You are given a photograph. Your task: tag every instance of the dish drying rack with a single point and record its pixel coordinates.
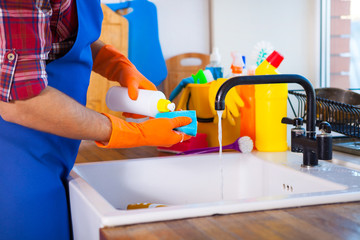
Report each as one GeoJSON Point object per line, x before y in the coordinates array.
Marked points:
{"type": "Point", "coordinates": [343, 118]}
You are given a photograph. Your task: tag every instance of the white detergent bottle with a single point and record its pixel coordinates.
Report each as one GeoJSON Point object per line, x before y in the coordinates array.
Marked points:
{"type": "Point", "coordinates": [149, 103]}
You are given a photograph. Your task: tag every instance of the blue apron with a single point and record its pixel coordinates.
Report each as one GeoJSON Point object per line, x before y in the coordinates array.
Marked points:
{"type": "Point", "coordinates": [34, 165]}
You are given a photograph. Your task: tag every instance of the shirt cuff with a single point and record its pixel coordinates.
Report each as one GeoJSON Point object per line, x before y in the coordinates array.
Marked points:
{"type": "Point", "coordinates": [21, 79]}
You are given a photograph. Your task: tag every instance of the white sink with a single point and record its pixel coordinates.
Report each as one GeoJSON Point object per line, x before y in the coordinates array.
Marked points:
{"type": "Point", "coordinates": [193, 186]}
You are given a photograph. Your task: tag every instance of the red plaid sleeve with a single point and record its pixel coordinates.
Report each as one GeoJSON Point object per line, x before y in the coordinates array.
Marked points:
{"type": "Point", "coordinates": [25, 42]}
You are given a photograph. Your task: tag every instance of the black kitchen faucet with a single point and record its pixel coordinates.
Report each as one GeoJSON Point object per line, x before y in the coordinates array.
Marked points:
{"type": "Point", "coordinates": [312, 146]}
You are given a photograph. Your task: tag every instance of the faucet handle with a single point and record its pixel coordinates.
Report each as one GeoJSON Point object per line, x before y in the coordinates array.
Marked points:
{"type": "Point", "coordinates": [286, 120]}
{"type": "Point", "coordinates": [324, 141]}
{"type": "Point", "coordinates": [325, 127]}
{"type": "Point", "coordinates": [296, 132]}
{"type": "Point", "coordinates": [297, 122]}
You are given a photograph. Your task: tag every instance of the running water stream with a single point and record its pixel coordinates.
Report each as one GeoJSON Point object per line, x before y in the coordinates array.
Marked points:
{"type": "Point", "coordinates": [219, 113]}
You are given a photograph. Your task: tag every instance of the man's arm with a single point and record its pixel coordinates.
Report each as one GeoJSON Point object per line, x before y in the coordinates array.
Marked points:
{"type": "Point", "coordinates": [54, 112]}
{"type": "Point", "coordinates": [95, 48]}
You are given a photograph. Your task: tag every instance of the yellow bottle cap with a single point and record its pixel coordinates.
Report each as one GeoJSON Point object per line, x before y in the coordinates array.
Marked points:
{"type": "Point", "coordinates": [165, 105]}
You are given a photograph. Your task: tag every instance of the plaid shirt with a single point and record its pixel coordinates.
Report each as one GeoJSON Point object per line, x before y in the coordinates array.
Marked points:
{"type": "Point", "coordinates": [31, 33]}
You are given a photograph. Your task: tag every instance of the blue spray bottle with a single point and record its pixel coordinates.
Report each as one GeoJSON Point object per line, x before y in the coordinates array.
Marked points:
{"type": "Point", "coordinates": [215, 64]}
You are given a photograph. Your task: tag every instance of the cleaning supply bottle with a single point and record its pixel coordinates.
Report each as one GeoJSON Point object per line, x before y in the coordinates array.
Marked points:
{"type": "Point", "coordinates": [237, 65]}
{"type": "Point", "coordinates": [215, 64]}
{"type": "Point", "coordinates": [245, 72]}
{"type": "Point", "coordinates": [270, 108]}
{"type": "Point", "coordinates": [244, 91]}
{"type": "Point", "coordinates": [247, 112]}
{"type": "Point", "coordinates": [148, 103]}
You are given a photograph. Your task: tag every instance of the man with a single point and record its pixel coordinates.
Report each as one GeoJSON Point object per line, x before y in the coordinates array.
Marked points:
{"type": "Point", "coordinates": [46, 56]}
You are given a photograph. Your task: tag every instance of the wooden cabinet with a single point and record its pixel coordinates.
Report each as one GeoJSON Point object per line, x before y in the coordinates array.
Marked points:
{"type": "Point", "coordinates": [115, 30]}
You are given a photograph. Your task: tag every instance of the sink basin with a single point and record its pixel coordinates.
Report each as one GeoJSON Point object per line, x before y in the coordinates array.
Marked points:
{"type": "Point", "coordinates": [200, 185]}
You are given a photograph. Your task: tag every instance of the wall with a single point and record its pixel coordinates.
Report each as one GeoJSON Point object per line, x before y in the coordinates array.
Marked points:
{"type": "Point", "coordinates": [292, 27]}
{"type": "Point", "coordinates": [183, 26]}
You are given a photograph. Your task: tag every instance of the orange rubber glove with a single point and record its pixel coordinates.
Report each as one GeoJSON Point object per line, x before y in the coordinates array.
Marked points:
{"type": "Point", "coordinates": [153, 132]}
{"type": "Point", "coordinates": [113, 65]}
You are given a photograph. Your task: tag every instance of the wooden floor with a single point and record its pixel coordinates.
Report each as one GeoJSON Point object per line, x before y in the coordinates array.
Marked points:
{"type": "Point", "coordinates": [332, 221]}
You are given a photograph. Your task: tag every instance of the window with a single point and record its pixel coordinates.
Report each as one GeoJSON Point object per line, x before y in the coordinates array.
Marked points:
{"type": "Point", "coordinates": [344, 57]}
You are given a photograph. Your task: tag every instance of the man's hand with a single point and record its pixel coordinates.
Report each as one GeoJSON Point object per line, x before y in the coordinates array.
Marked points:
{"type": "Point", "coordinates": [153, 132]}
{"type": "Point", "coordinates": [113, 65]}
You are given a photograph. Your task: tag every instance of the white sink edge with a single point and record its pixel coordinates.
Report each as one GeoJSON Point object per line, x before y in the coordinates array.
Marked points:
{"type": "Point", "coordinates": [111, 217]}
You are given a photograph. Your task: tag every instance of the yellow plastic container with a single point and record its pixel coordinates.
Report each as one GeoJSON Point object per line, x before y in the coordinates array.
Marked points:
{"type": "Point", "coordinates": [196, 97]}
{"type": "Point", "coordinates": [270, 108]}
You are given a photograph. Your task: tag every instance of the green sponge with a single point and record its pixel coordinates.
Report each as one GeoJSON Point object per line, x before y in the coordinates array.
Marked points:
{"type": "Point", "coordinates": [190, 129]}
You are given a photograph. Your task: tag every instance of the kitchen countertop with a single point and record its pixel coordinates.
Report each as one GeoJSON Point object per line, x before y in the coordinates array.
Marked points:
{"type": "Point", "coordinates": [332, 221]}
